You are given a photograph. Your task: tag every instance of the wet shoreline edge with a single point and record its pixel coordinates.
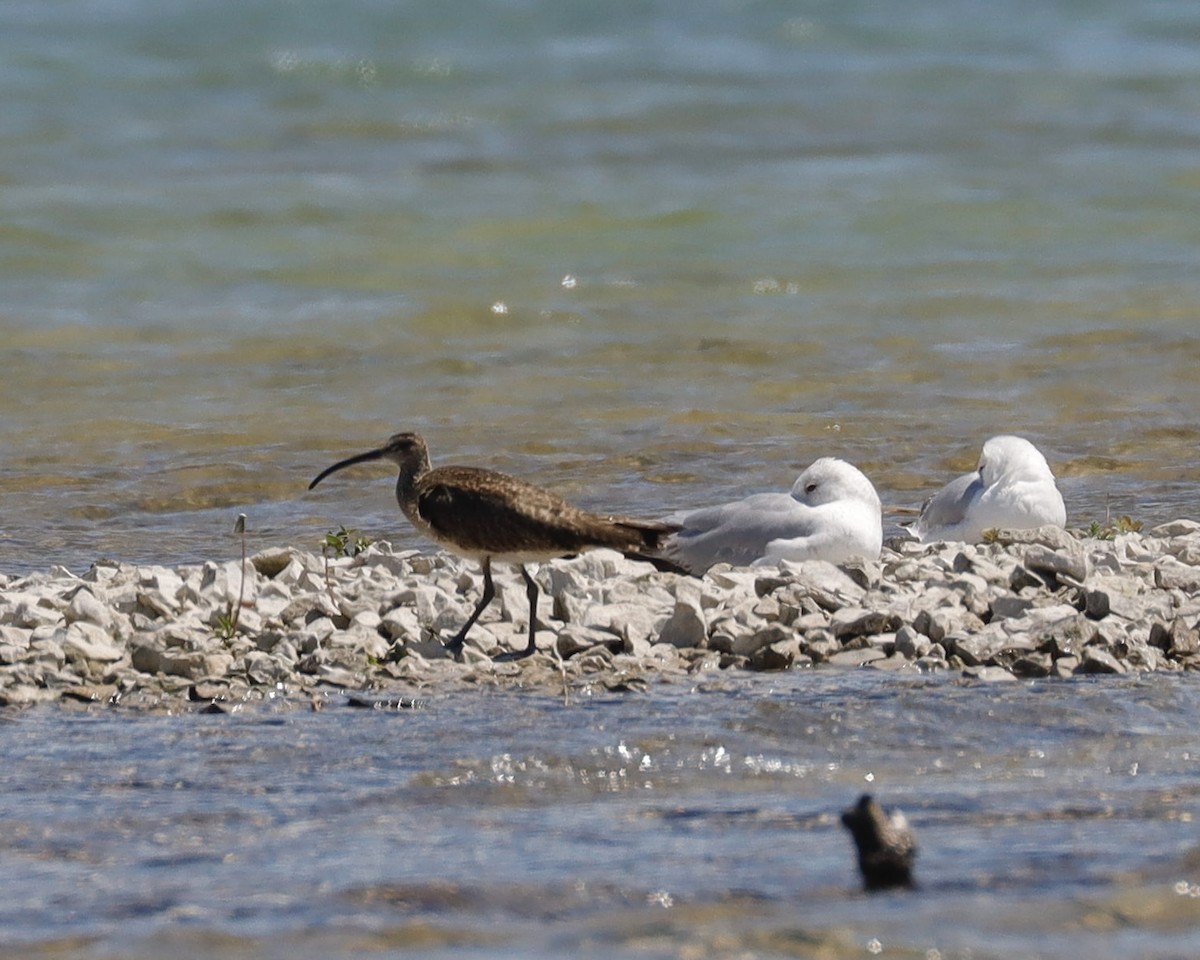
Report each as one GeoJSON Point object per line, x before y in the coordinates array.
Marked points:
{"type": "Point", "coordinates": [303, 628]}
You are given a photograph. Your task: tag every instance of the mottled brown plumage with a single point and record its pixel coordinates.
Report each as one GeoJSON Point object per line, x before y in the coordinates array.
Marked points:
{"type": "Point", "coordinates": [482, 513]}
{"type": "Point", "coordinates": [492, 516]}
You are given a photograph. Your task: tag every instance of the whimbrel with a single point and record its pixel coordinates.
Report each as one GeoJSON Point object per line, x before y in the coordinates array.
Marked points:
{"type": "Point", "coordinates": [489, 516]}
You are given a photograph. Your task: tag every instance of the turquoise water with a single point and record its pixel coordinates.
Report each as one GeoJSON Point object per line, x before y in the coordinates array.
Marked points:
{"type": "Point", "coordinates": [652, 255]}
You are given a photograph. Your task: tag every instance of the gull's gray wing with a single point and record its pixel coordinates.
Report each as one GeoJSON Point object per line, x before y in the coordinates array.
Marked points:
{"type": "Point", "coordinates": [738, 533]}
{"type": "Point", "coordinates": [948, 507]}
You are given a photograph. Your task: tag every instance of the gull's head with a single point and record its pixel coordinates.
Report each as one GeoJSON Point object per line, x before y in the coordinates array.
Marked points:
{"type": "Point", "coordinates": [1012, 459]}
{"type": "Point", "coordinates": [829, 480]}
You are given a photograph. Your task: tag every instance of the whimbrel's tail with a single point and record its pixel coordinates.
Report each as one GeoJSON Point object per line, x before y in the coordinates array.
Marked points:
{"type": "Point", "coordinates": [644, 534]}
{"type": "Point", "coordinates": [651, 533]}
{"type": "Point", "coordinates": [661, 564]}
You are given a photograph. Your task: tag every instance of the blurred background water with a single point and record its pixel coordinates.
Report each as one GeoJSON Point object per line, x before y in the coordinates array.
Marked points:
{"type": "Point", "coordinates": [652, 255]}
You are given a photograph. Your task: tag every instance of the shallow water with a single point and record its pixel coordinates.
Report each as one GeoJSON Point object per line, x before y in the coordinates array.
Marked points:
{"type": "Point", "coordinates": [1054, 820]}
{"type": "Point", "coordinates": [653, 256]}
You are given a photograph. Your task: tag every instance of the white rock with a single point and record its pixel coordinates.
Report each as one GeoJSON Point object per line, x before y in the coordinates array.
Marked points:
{"type": "Point", "coordinates": [401, 623]}
{"type": "Point", "coordinates": [818, 576]}
{"type": "Point", "coordinates": [24, 695]}
{"type": "Point", "coordinates": [32, 612]}
{"type": "Point", "coordinates": [86, 607]}
{"type": "Point", "coordinates": [629, 620]}
{"type": "Point", "coordinates": [1176, 528]}
{"type": "Point", "coordinates": [164, 580]}
{"type": "Point", "coordinates": [88, 642]}
{"type": "Point", "coordinates": [367, 619]}
{"type": "Point", "coordinates": [685, 627]}
{"type": "Point", "coordinates": [1010, 607]}
{"type": "Point", "coordinates": [512, 601]}
{"type": "Point", "coordinates": [911, 644]}
{"type": "Point", "coordinates": [856, 658]}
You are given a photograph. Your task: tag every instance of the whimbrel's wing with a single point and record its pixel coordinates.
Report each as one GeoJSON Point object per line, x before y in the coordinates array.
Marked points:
{"type": "Point", "coordinates": [483, 513]}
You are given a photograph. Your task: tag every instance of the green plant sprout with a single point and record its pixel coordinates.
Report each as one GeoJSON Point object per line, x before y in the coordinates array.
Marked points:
{"type": "Point", "coordinates": [227, 623]}
{"type": "Point", "coordinates": [1110, 529]}
{"type": "Point", "coordinates": [345, 542]}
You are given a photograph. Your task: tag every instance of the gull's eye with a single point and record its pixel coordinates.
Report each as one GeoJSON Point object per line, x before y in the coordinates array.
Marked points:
{"type": "Point", "coordinates": [810, 488]}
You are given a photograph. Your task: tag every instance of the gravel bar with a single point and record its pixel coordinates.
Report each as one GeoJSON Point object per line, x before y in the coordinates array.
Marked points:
{"type": "Point", "coordinates": [300, 627]}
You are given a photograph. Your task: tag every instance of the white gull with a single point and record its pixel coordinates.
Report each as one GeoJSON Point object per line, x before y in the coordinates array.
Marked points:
{"type": "Point", "coordinates": [832, 513]}
{"type": "Point", "coordinates": [1012, 489]}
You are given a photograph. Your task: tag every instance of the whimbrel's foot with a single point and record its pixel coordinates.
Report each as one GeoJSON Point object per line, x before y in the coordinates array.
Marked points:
{"type": "Point", "coordinates": [513, 655]}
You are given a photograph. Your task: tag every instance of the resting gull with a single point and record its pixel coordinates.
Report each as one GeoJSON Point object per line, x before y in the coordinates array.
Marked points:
{"type": "Point", "coordinates": [832, 513]}
{"type": "Point", "coordinates": [1012, 489]}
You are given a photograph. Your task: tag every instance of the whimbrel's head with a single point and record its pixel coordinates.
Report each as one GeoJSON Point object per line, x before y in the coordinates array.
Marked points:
{"type": "Point", "coordinates": [406, 450]}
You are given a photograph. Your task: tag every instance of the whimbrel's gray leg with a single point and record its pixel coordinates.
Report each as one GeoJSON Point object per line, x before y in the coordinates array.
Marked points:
{"type": "Point", "coordinates": [489, 594]}
{"type": "Point", "coordinates": [531, 591]}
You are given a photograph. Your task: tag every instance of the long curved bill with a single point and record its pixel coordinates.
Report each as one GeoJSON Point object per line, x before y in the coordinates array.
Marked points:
{"type": "Point", "coordinates": [378, 454]}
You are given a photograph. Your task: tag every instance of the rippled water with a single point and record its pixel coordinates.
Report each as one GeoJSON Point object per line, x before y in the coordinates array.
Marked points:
{"type": "Point", "coordinates": [1055, 820]}
{"type": "Point", "coordinates": [651, 255]}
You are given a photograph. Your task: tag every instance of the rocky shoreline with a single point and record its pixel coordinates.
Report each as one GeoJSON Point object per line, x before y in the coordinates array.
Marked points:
{"type": "Point", "coordinates": [303, 627]}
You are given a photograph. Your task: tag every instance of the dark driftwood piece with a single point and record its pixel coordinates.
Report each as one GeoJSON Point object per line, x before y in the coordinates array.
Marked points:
{"type": "Point", "coordinates": [886, 846]}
